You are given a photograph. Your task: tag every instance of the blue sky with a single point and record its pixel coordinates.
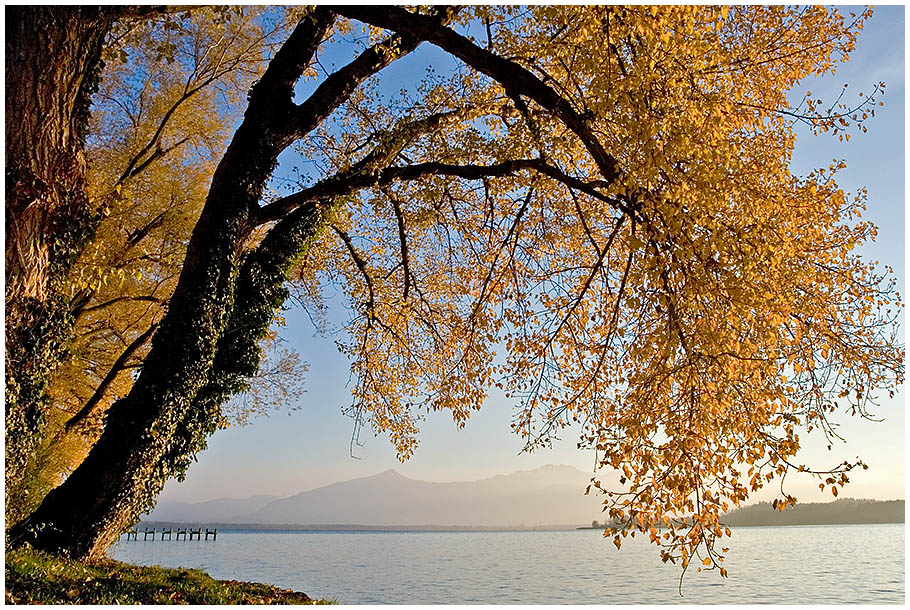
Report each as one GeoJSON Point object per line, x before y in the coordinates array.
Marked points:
{"type": "Point", "coordinates": [289, 452]}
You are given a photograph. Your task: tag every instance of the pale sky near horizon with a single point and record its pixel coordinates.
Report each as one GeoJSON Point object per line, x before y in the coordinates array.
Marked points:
{"type": "Point", "coordinates": [287, 453]}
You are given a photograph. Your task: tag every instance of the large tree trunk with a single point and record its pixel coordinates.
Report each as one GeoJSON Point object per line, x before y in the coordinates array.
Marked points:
{"type": "Point", "coordinates": [52, 63]}
{"type": "Point", "coordinates": [165, 417]}
{"type": "Point", "coordinates": [53, 58]}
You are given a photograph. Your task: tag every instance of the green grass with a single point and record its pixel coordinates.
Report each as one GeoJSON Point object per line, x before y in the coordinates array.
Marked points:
{"type": "Point", "coordinates": [33, 577]}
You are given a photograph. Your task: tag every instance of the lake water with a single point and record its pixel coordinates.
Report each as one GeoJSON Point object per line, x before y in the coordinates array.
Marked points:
{"type": "Point", "coordinates": [856, 564]}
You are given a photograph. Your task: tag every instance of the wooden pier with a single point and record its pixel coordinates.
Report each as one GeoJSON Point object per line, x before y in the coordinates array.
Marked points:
{"type": "Point", "coordinates": [168, 533]}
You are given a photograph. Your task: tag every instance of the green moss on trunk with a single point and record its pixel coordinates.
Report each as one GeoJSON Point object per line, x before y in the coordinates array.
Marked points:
{"type": "Point", "coordinates": [259, 293]}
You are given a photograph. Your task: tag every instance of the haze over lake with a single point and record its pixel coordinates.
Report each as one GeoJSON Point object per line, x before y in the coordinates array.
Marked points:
{"type": "Point", "coordinates": [856, 564]}
{"type": "Point", "coordinates": [779, 565]}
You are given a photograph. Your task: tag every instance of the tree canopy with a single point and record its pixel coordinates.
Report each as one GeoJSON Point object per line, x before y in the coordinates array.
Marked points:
{"type": "Point", "coordinates": [595, 212]}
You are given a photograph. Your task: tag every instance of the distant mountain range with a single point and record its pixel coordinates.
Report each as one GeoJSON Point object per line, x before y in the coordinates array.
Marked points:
{"type": "Point", "coordinates": [550, 495]}
{"type": "Point", "coordinates": [547, 496]}
{"type": "Point", "coordinates": [220, 510]}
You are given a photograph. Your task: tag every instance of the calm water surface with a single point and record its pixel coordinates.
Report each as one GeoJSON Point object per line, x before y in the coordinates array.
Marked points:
{"type": "Point", "coordinates": [856, 564]}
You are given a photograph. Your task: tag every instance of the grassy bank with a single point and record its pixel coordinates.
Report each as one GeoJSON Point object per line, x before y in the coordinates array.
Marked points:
{"type": "Point", "coordinates": [33, 577]}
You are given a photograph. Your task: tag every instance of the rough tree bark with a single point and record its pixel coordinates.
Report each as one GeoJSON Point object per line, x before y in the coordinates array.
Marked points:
{"type": "Point", "coordinates": [53, 59]}
{"type": "Point", "coordinates": [52, 64]}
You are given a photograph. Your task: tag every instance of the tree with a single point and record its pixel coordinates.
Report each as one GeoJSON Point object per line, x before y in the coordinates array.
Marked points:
{"type": "Point", "coordinates": [154, 137]}
{"type": "Point", "coordinates": [590, 192]}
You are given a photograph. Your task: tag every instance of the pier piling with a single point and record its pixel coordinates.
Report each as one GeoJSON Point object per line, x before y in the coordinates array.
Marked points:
{"type": "Point", "coordinates": [168, 533]}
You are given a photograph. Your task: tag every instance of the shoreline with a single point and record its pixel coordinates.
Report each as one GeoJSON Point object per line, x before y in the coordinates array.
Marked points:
{"type": "Point", "coordinates": [33, 577]}
{"type": "Point", "coordinates": [342, 529]}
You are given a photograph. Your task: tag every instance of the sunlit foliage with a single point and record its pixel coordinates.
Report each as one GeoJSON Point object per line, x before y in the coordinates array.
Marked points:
{"type": "Point", "coordinates": [594, 211]}
{"type": "Point", "coordinates": [695, 312]}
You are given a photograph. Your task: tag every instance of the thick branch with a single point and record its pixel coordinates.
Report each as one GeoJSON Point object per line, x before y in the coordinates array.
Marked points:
{"type": "Point", "coordinates": [354, 179]}
{"type": "Point", "coordinates": [339, 85]}
{"type": "Point", "coordinates": [115, 370]}
{"type": "Point", "coordinates": [137, 235]}
{"type": "Point", "coordinates": [277, 84]}
{"type": "Point", "coordinates": [148, 298]}
{"type": "Point", "coordinates": [133, 169]}
{"type": "Point", "coordinates": [514, 78]}
{"type": "Point", "coordinates": [363, 173]}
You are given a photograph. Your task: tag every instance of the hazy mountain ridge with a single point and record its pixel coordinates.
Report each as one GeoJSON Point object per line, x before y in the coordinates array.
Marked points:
{"type": "Point", "coordinates": [547, 495]}
{"type": "Point", "coordinates": [221, 509]}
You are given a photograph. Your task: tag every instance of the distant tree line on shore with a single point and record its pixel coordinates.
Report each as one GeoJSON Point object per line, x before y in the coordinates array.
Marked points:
{"type": "Point", "coordinates": [842, 511]}
{"type": "Point", "coordinates": [846, 510]}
